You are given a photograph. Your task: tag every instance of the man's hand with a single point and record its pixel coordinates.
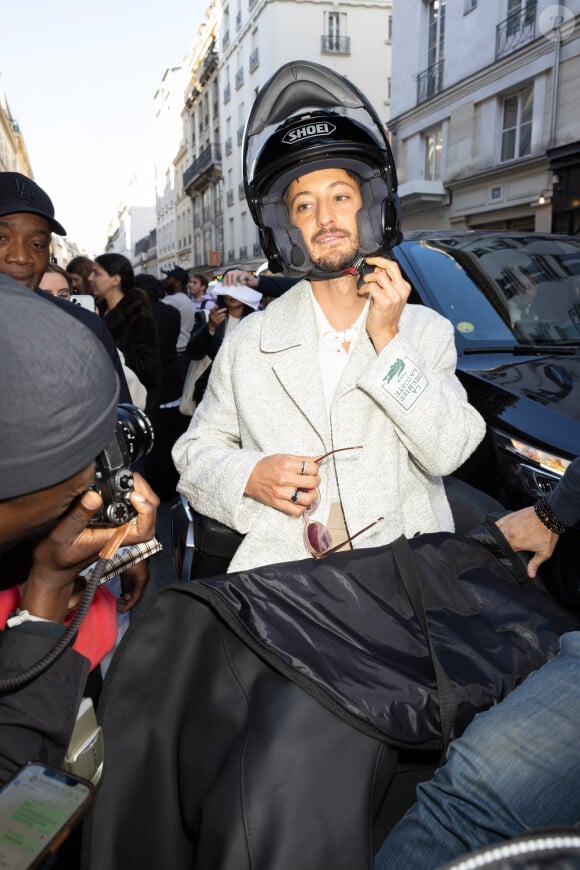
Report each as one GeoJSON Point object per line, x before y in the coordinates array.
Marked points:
{"type": "Point", "coordinates": [275, 480]}
{"type": "Point", "coordinates": [72, 545]}
{"type": "Point", "coordinates": [133, 584]}
{"type": "Point", "coordinates": [389, 293]}
{"type": "Point", "coordinates": [525, 532]}
{"type": "Point", "coordinates": [239, 276]}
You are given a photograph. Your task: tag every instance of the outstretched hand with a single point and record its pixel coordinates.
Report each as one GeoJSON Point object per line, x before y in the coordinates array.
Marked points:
{"type": "Point", "coordinates": [525, 532]}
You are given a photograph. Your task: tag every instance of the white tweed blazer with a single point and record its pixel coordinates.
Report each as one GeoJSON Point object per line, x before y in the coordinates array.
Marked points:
{"type": "Point", "coordinates": [405, 406]}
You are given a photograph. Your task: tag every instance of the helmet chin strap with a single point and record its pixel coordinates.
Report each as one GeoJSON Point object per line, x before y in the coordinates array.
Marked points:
{"type": "Point", "coordinates": [355, 268]}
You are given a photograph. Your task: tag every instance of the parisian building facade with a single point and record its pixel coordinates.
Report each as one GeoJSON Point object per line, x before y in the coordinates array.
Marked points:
{"type": "Point", "coordinates": [485, 117]}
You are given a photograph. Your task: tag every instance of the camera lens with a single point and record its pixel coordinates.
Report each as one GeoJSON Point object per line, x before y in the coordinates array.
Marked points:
{"type": "Point", "coordinates": [136, 430]}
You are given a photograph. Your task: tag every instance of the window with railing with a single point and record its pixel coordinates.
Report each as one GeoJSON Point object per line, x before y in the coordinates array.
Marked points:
{"type": "Point", "coordinates": [243, 252]}
{"type": "Point", "coordinates": [229, 145]}
{"type": "Point", "coordinates": [430, 82]}
{"type": "Point", "coordinates": [226, 39]}
{"type": "Point", "coordinates": [516, 133]}
{"type": "Point", "coordinates": [241, 191]}
{"type": "Point", "coordinates": [240, 135]}
{"type": "Point", "coordinates": [227, 93]}
{"type": "Point", "coordinates": [230, 197]}
{"type": "Point", "coordinates": [239, 78]}
{"type": "Point", "coordinates": [334, 38]}
{"type": "Point", "coordinates": [256, 249]}
{"type": "Point", "coordinates": [238, 20]}
{"type": "Point", "coordinates": [517, 29]}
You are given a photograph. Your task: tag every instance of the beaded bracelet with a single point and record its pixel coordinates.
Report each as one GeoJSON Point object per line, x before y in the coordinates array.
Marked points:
{"type": "Point", "coordinates": [547, 516]}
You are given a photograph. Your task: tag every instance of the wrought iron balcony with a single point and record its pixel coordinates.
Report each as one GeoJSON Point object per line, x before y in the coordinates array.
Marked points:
{"type": "Point", "coordinates": [516, 30]}
{"type": "Point", "coordinates": [207, 168]}
{"type": "Point", "coordinates": [430, 82]}
{"type": "Point", "coordinates": [335, 44]}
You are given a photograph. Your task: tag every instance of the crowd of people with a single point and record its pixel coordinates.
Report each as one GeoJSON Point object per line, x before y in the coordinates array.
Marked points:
{"type": "Point", "coordinates": [311, 413]}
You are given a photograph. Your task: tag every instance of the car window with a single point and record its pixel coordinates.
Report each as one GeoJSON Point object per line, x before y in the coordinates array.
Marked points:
{"type": "Point", "coordinates": [501, 289]}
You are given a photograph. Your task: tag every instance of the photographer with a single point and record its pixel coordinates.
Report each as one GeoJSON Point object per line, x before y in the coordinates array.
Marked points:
{"type": "Point", "coordinates": [57, 413]}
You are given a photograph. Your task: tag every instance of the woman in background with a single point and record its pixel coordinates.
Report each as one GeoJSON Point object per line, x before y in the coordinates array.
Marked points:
{"type": "Point", "coordinates": [79, 270]}
{"type": "Point", "coordinates": [126, 311]}
{"type": "Point", "coordinates": [57, 282]}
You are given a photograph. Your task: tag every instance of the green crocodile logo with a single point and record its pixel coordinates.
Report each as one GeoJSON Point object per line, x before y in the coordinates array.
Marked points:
{"type": "Point", "coordinates": [396, 369]}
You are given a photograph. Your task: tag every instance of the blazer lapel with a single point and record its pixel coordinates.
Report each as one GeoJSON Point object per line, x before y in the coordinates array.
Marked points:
{"type": "Point", "coordinates": [289, 335]}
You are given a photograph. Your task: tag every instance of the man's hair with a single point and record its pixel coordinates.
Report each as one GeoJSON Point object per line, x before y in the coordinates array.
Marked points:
{"type": "Point", "coordinates": [201, 278]}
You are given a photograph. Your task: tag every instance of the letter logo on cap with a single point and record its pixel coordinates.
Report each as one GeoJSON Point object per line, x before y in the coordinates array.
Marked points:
{"type": "Point", "coordinates": [24, 190]}
{"type": "Point", "coordinates": [306, 131]}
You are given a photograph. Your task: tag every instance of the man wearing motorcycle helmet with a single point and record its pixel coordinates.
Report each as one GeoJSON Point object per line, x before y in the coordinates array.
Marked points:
{"type": "Point", "coordinates": [337, 409]}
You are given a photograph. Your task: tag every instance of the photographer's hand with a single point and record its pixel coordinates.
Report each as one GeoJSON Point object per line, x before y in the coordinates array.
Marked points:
{"type": "Point", "coordinates": [133, 584]}
{"type": "Point", "coordinates": [71, 545]}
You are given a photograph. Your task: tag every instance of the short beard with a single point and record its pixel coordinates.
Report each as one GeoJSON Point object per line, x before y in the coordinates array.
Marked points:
{"type": "Point", "coordinates": [337, 261]}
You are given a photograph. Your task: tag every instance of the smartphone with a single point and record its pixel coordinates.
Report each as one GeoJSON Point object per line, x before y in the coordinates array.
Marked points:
{"type": "Point", "coordinates": [39, 807]}
{"type": "Point", "coordinates": [84, 299]}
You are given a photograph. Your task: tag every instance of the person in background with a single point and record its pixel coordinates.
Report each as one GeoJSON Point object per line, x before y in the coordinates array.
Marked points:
{"type": "Point", "coordinates": [126, 312]}
{"type": "Point", "coordinates": [517, 766]}
{"type": "Point", "coordinates": [170, 423]}
{"type": "Point", "coordinates": [26, 225]}
{"type": "Point", "coordinates": [175, 286]}
{"type": "Point", "coordinates": [57, 413]}
{"type": "Point", "coordinates": [80, 269]}
{"type": "Point", "coordinates": [57, 281]}
{"type": "Point", "coordinates": [207, 337]}
{"type": "Point", "coordinates": [199, 293]}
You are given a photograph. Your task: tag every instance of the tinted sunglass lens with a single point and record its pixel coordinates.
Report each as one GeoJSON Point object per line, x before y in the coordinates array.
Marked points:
{"type": "Point", "coordinates": [317, 538]}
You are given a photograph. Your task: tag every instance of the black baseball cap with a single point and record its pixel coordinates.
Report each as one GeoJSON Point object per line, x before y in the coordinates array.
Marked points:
{"type": "Point", "coordinates": [18, 193]}
{"type": "Point", "coordinates": [178, 273]}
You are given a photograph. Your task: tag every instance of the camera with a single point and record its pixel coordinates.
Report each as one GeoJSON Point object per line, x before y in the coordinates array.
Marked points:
{"type": "Point", "coordinates": [132, 440]}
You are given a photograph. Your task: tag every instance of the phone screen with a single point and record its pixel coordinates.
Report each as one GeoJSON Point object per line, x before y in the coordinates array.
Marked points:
{"type": "Point", "coordinates": [38, 808]}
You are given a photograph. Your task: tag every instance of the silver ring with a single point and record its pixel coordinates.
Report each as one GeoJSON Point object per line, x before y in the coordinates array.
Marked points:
{"type": "Point", "coordinates": [303, 467]}
{"type": "Point", "coordinates": [294, 498]}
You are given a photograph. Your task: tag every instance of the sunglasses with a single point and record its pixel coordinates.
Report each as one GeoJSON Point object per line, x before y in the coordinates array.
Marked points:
{"type": "Point", "coordinates": [317, 537]}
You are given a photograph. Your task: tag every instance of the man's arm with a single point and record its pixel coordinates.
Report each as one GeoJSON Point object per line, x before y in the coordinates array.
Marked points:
{"type": "Point", "coordinates": [534, 530]}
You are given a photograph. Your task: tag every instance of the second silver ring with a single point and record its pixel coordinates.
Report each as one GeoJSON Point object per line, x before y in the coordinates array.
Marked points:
{"type": "Point", "coordinates": [303, 467]}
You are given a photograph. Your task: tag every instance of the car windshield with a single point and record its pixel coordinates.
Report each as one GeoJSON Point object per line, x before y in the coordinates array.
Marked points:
{"type": "Point", "coordinates": [497, 290]}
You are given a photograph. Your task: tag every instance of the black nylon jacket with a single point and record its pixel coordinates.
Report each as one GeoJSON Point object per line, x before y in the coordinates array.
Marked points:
{"type": "Point", "coordinates": [252, 720]}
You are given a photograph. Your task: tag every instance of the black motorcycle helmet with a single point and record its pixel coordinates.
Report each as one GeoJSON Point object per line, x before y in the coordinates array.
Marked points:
{"type": "Point", "coordinates": [305, 118]}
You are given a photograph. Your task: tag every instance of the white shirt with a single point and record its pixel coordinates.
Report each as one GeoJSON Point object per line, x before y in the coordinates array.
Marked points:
{"type": "Point", "coordinates": [186, 310]}
{"type": "Point", "coordinates": [333, 358]}
{"type": "Point", "coordinates": [332, 355]}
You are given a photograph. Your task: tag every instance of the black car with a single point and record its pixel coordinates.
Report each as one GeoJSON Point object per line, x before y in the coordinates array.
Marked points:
{"type": "Point", "coordinates": [514, 300]}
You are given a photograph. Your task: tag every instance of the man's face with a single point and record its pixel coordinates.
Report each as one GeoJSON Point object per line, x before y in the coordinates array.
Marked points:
{"type": "Point", "coordinates": [24, 247]}
{"type": "Point", "coordinates": [323, 205]}
{"type": "Point", "coordinates": [37, 512]}
{"type": "Point", "coordinates": [196, 288]}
